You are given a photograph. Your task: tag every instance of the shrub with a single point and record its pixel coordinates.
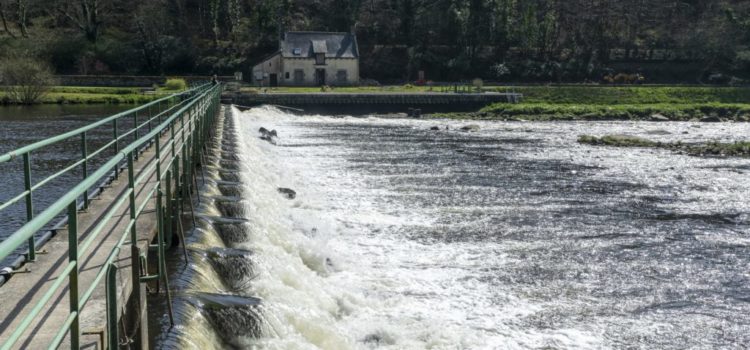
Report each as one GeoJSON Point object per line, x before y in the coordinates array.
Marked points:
{"type": "Point", "coordinates": [175, 84]}
{"type": "Point", "coordinates": [25, 80]}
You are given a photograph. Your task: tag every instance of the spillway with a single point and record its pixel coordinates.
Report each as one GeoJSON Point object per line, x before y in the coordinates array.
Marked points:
{"type": "Point", "coordinates": [515, 236]}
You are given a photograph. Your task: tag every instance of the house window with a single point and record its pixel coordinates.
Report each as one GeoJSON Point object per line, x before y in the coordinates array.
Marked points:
{"type": "Point", "coordinates": [286, 76]}
{"type": "Point", "coordinates": [320, 58]}
{"type": "Point", "coordinates": [299, 76]}
{"type": "Point", "coordinates": [341, 76]}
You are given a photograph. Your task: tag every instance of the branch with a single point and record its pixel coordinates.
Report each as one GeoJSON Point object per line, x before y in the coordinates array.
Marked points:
{"type": "Point", "coordinates": [5, 22]}
{"type": "Point", "coordinates": [71, 18]}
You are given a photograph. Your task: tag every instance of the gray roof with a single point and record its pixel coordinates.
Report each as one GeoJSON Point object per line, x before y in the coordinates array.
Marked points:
{"type": "Point", "coordinates": [307, 44]}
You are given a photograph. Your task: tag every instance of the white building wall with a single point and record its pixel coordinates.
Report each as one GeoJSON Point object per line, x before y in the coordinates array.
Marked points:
{"type": "Point", "coordinates": [308, 66]}
{"type": "Point", "coordinates": [264, 70]}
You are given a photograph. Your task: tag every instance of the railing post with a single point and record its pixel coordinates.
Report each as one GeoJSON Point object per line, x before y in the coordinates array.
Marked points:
{"type": "Point", "coordinates": [113, 339]}
{"type": "Point", "coordinates": [178, 186]}
{"type": "Point", "coordinates": [171, 131]}
{"type": "Point", "coordinates": [135, 258]}
{"type": "Point", "coordinates": [85, 155]}
{"type": "Point", "coordinates": [161, 255]}
{"type": "Point", "coordinates": [168, 213]}
{"type": "Point", "coordinates": [116, 136]}
{"type": "Point", "coordinates": [31, 255]}
{"type": "Point", "coordinates": [135, 124]}
{"type": "Point", "coordinates": [159, 234]}
{"type": "Point", "coordinates": [158, 156]}
{"type": "Point", "coordinates": [75, 330]}
{"type": "Point", "coordinates": [131, 187]}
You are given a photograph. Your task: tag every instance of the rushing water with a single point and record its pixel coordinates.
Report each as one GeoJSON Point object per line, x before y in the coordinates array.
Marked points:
{"type": "Point", "coordinates": [514, 236]}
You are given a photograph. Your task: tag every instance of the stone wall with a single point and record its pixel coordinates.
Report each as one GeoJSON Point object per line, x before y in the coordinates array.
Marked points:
{"type": "Point", "coordinates": [126, 80]}
{"type": "Point", "coordinates": [365, 103]}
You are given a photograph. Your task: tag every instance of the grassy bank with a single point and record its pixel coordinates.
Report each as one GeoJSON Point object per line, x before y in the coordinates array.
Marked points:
{"type": "Point", "coordinates": [96, 95]}
{"type": "Point", "coordinates": [737, 149]}
{"type": "Point", "coordinates": [621, 103]}
{"type": "Point", "coordinates": [344, 89]}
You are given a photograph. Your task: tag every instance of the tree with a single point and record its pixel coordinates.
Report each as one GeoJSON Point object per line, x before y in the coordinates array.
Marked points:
{"type": "Point", "coordinates": [4, 19]}
{"type": "Point", "coordinates": [86, 15]}
{"type": "Point", "coordinates": [25, 80]}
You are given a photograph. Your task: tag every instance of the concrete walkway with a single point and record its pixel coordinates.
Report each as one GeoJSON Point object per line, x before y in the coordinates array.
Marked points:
{"type": "Point", "coordinates": [24, 290]}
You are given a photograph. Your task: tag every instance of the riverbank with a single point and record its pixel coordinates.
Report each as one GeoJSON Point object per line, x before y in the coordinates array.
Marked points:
{"type": "Point", "coordinates": [96, 95]}
{"type": "Point", "coordinates": [545, 103]}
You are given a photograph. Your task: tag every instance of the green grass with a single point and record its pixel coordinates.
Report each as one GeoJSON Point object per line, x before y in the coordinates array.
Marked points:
{"type": "Point", "coordinates": [83, 98]}
{"type": "Point", "coordinates": [96, 95]}
{"type": "Point", "coordinates": [608, 95]}
{"type": "Point", "coordinates": [619, 103]}
{"type": "Point", "coordinates": [673, 111]}
{"type": "Point", "coordinates": [348, 89]}
{"type": "Point", "coordinates": [95, 90]}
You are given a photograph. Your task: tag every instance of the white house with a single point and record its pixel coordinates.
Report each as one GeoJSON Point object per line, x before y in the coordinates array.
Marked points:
{"type": "Point", "coordinates": [311, 59]}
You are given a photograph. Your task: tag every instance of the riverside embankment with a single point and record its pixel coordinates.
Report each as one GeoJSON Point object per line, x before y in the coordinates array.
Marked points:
{"type": "Point", "coordinates": [656, 103]}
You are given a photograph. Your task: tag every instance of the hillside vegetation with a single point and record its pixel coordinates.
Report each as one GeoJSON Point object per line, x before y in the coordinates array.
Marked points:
{"type": "Point", "coordinates": [507, 40]}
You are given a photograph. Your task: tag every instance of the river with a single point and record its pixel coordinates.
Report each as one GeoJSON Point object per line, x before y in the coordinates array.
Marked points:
{"type": "Point", "coordinates": [511, 237]}
{"type": "Point", "coordinates": [23, 125]}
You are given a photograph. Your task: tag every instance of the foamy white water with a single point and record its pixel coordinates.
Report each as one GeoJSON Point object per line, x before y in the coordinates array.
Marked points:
{"type": "Point", "coordinates": [348, 264]}
{"type": "Point", "coordinates": [334, 278]}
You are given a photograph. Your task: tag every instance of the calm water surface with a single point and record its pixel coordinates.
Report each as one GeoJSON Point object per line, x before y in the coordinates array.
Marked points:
{"type": "Point", "coordinates": [23, 125]}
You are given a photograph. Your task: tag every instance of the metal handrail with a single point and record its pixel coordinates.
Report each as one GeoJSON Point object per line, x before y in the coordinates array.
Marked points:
{"type": "Point", "coordinates": [46, 142]}
{"type": "Point", "coordinates": [199, 112]}
{"type": "Point", "coordinates": [26, 151]}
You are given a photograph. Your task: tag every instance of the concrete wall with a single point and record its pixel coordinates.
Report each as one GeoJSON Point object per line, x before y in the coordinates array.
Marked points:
{"type": "Point", "coordinates": [285, 69]}
{"type": "Point", "coordinates": [127, 80]}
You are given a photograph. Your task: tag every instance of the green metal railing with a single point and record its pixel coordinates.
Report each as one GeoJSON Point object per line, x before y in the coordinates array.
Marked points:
{"type": "Point", "coordinates": [178, 127]}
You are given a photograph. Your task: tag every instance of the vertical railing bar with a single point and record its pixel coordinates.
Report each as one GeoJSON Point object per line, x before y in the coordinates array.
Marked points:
{"type": "Point", "coordinates": [75, 331]}
{"type": "Point", "coordinates": [116, 136]}
{"type": "Point", "coordinates": [112, 320]}
{"type": "Point", "coordinates": [31, 255]}
{"type": "Point", "coordinates": [159, 237]}
{"type": "Point", "coordinates": [131, 186]}
{"type": "Point", "coordinates": [85, 155]}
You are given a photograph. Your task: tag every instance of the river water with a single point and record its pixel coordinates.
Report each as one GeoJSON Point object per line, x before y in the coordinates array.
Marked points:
{"type": "Point", "coordinates": [511, 237]}
{"type": "Point", "coordinates": [24, 125]}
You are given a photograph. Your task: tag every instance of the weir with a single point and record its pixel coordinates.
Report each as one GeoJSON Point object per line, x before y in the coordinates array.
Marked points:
{"type": "Point", "coordinates": [366, 103]}
{"type": "Point", "coordinates": [84, 283]}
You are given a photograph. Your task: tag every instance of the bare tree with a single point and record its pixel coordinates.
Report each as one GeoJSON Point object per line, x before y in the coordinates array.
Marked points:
{"type": "Point", "coordinates": [85, 14]}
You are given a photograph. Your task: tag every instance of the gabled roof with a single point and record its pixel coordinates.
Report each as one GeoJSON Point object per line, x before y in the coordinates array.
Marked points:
{"type": "Point", "coordinates": [307, 44]}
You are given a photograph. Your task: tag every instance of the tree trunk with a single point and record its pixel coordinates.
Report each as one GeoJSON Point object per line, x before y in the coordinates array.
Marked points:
{"type": "Point", "coordinates": [21, 7]}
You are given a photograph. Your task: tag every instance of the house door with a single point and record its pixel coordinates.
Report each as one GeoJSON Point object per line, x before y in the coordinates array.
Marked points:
{"type": "Point", "coordinates": [320, 76]}
{"type": "Point", "coordinates": [274, 80]}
